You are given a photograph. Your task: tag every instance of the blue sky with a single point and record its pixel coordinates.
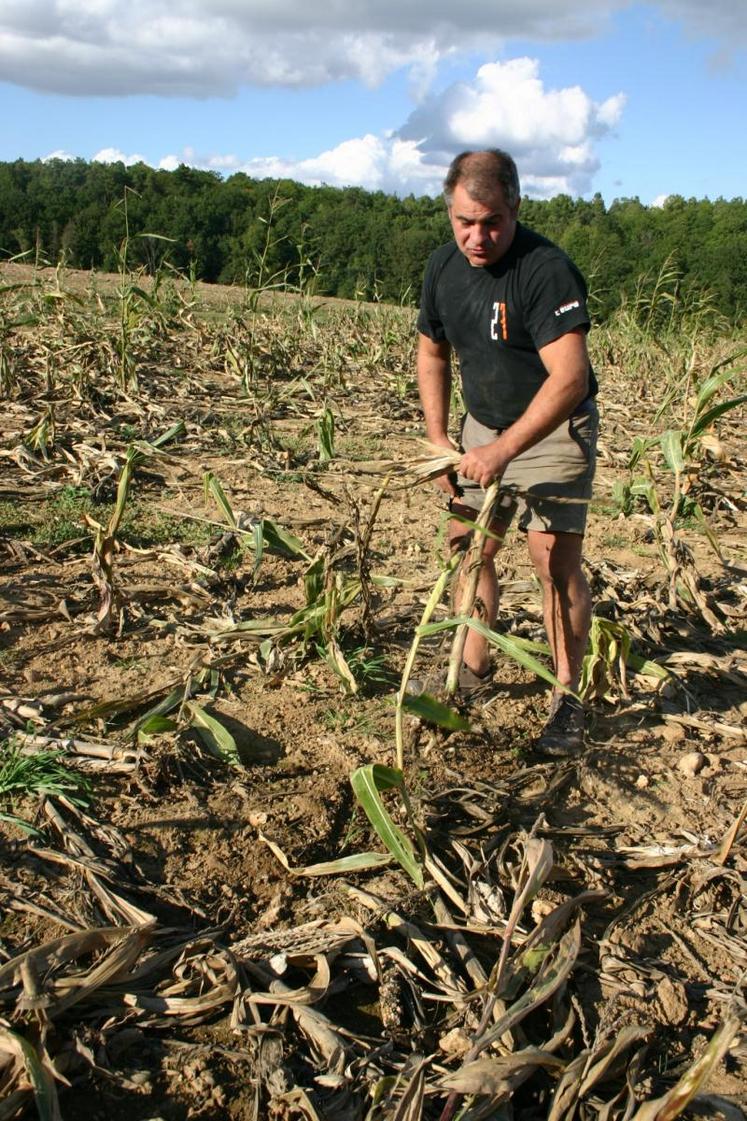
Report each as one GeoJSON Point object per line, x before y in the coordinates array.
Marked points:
{"type": "Point", "coordinates": [624, 99]}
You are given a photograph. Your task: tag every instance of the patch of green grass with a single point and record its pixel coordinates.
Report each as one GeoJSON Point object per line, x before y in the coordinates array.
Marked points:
{"type": "Point", "coordinates": [147, 528]}
{"type": "Point", "coordinates": [9, 660]}
{"type": "Point", "coordinates": [616, 541]}
{"type": "Point", "coordinates": [133, 663]}
{"type": "Point", "coordinates": [371, 670]}
{"type": "Point", "coordinates": [356, 447]}
{"type": "Point", "coordinates": [61, 518]}
{"type": "Point", "coordinates": [39, 774]}
{"type": "Point", "coordinates": [350, 715]}
{"type": "Point", "coordinates": [14, 520]}
{"type": "Point", "coordinates": [128, 432]}
{"type": "Point", "coordinates": [604, 508]}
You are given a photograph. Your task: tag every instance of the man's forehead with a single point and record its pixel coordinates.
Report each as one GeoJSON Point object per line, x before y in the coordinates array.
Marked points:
{"type": "Point", "coordinates": [462, 202]}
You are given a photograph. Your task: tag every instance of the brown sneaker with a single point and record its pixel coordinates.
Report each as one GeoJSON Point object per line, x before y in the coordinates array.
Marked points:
{"type": "Point", "coordinates": [563, 733]}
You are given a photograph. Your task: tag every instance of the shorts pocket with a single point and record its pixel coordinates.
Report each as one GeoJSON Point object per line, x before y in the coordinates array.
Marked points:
{"type": "Point", "coordinates": [582, 429]}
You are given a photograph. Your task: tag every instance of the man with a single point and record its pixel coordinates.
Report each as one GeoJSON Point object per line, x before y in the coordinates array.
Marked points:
{"type": "Point", "coordinates": [512, 307]}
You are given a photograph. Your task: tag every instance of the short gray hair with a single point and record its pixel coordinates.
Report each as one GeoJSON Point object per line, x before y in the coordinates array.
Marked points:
{"type": "Point", "coordinates": [480, 173]}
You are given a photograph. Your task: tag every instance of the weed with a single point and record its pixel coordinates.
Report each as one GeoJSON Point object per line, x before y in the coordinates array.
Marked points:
{"type": "Point", "coordinates": [37, 774]}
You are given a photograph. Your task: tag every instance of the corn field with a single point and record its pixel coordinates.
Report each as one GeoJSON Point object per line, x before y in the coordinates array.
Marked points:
{"type": "Point", "coordinates": [246, 873]}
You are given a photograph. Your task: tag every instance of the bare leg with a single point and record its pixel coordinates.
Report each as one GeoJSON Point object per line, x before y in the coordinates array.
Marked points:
{"type": "Point", "coordinates": [476, 654]}
{"type": "Point", "coordinates": [566, 600]}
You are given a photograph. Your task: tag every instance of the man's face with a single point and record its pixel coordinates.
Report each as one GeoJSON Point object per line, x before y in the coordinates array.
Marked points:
{"type": "Point", "coordinates": [483, 230]}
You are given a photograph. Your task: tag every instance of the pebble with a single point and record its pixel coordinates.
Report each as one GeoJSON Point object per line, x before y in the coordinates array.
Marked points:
{"type": "Point", "coordinates": [692, 763]}
{"type": "Point", "coordinates": [673, 999]}
{"type": "Point", "coordinates": [642, 782]}
{"type": "Point", "coordinates": [455, 1042]}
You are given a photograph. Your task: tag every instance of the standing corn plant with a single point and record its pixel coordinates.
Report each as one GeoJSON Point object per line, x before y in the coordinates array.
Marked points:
{"type": "Point", "coordinates": [105, 537]}
{"type": "Point", "coordinates": [133, 300]}
{"type": "Point", "coordinates": [683, 451]}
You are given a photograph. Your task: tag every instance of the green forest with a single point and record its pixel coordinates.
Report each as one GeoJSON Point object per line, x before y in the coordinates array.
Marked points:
{"type": "Point", "coordinates": [350, 242]}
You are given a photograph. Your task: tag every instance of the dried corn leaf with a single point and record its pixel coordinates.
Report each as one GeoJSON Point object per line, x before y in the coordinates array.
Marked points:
{"type": "Point", "coordinates": [554, 972]}
{"type": "Point", "coordinates": [498, 1077]}
{"type": "Point", "coordinates": [417, 940]}
{"type": "Point", "coordinates": [312, 993]}
{"type": "Point", "coordinates": [671, 1104]}
{"type": "Point", "coordinates": [359, 862]}
{"type": "Point", "coordinates": [603, 1058]}
{"type": "Point", "coordinates": [528, 959]}
{"type": "Point", "coordinates": [45, 960]}
{"type": "Point", "coordinates": [113, 969]}
{"type": "Point", "coordinates": [410, 1105]}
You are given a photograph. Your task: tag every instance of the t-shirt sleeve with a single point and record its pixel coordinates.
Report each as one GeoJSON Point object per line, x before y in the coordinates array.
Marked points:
{"type": "Point", "coordinates": [555, 300]}
{"type": "Point", "coordinates": [429, 321]}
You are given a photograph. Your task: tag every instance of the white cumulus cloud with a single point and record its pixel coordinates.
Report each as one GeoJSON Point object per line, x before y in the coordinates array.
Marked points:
{"type": "Point", "coordinates": [550, 132]}
{"type": "Point", "coordinates": [113, 155]}
{"type": "Point", "coordinates": [205, 48]}
{"type": "Point", "coordinates": [58, 154]}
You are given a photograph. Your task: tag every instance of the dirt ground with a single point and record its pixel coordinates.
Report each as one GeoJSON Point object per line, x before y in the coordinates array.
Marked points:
{"type": "Point", "coordinates": [642, 819]}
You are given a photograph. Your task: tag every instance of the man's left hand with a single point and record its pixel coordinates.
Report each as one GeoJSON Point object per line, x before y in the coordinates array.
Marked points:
{"type": "Point", "coordinates": [485, 464]}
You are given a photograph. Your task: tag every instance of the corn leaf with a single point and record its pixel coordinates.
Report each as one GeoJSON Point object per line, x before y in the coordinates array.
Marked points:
{"type": "Point", "coordinates": [710, 388]}
{"type": "Point", "coordinates": [217, 739]}
{"type": "Point", "coordinates": [156, 726]}
{"type": "Point", "coordinates": [435, 712]}
{"type": "Point", "coordinates": [282, 541]}
{"type": "Point", "coordinates": [671, 1105]}
{"type": "Point", "coordinates": [357, 862]}
{"type": "Point", "coordinates": [671, 446]}
{"type": "Point", "coordinates": [367, 783]}
{"type": "Point", "coordinates": [325, 428]}
{"type": "Point", "coordinates": [513, 649]}
{"type": "Point", "coordinates": [214, 489]}
{"type": "Point", "coordinates": [706, 420]}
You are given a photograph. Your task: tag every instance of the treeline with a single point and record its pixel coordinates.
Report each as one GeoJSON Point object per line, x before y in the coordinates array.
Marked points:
{"type": "Point", "coordinates": [350, 242]}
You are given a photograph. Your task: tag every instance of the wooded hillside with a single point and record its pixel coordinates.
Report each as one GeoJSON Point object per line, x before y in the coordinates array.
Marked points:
{"type": "Point", "coordinates": [350, 242]}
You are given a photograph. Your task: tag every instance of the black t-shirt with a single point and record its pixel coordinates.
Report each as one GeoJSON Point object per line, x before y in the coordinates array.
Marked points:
{"type": "Point", "coordinates": [496, 317]}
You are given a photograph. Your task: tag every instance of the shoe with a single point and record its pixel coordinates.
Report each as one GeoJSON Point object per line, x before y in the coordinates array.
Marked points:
{"type": "Point", "coordinates": [563, 733]}
{"type": "Point", "coordinates": [473, 686]}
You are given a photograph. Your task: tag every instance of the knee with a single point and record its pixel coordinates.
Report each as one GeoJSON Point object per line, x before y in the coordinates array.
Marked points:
{"type": "Point", "coordinates": [556, 571]}
{"type": "Point", "coordinates": [461, 539]}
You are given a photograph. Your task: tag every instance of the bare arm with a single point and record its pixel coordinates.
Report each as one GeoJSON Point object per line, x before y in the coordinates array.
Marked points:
{"type": "Point", "coordinates": [567, 363]}
{"type": "Point", "coordinates": [434, 385]}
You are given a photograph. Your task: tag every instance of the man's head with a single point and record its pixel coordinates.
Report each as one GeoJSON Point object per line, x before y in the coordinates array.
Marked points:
{"type": "Point", "coordinates": [482, 194]}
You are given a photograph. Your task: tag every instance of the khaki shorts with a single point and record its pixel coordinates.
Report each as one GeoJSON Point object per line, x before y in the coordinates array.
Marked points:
{"type": "Point", "coordinates": [546, 478]}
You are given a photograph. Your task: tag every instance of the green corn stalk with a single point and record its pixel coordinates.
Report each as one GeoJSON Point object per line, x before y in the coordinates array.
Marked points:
{"type": "Point", "coordinates": [402, 703]}
{"type": "Point", "coordinates": [607, 659]}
